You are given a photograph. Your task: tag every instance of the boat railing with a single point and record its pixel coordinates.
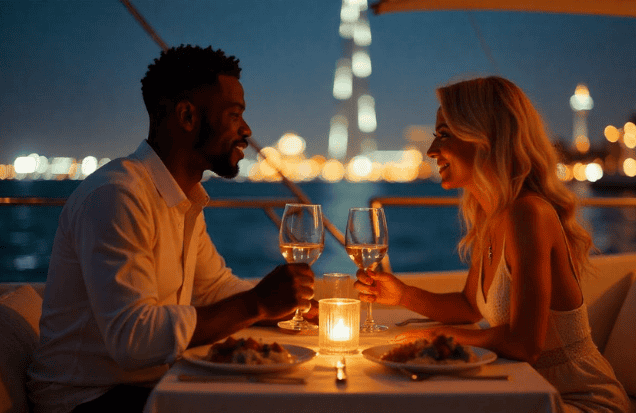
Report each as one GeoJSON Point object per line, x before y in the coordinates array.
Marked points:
{"type": "Point", "coordinates": [430, 201]}
{"type": "Point", "coordinates": [268, 205]}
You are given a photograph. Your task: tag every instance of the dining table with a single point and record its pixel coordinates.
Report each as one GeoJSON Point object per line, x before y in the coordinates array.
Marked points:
{"type": "Point", "coordinates": [502, 385]}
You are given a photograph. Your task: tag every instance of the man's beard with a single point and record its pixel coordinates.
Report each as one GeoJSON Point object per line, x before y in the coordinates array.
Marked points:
{"type": "Point", "coordinates": [220, 164]}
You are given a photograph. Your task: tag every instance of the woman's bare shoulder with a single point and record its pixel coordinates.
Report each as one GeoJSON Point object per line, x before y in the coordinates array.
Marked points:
{"type": "Point", "coordinates": [530, 213]}
{"type": "Point", "coordinates": [530, 227]}
{"type": "Point", "coordinates": [533, 207]}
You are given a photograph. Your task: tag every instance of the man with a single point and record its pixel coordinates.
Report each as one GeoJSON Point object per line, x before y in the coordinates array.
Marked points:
{"type": "Point", "coordinates": [134, 279]}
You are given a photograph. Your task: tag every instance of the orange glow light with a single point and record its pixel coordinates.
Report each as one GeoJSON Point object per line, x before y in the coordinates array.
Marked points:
{"type": "Point", "coordinates": [579, 171]}
{"type": "Point", "coordinates": [332, 171]}
{"type": "Point", "coordinates": [611, 133]}
{"type": "Point", "coordinates": [629, 167]}
{"type": "Point", "coordinates": [582, 144]}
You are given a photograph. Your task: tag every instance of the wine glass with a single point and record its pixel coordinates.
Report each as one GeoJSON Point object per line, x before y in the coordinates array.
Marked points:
{"type": "Point", "coordinates": [301, 239]}
{"type": "Point", "coordinates": [366, 242]}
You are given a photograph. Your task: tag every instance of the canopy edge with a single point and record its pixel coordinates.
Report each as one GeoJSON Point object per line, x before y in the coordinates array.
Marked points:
{"type": "Point", "coordinates": [624, 8]}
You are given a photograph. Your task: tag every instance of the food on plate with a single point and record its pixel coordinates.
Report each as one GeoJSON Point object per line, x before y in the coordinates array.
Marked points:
{"type": "Point", "coordinates": [248, 351]}
{"type": "Point", "coordinates": [442, 350]}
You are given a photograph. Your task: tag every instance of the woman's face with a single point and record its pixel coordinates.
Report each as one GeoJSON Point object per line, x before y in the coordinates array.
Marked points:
{"type": "Point", "coordinates": [454, 156]}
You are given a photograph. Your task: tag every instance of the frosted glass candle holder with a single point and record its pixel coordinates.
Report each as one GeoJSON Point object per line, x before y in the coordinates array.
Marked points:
{"type": "Point", "coordinates": [339, 326]}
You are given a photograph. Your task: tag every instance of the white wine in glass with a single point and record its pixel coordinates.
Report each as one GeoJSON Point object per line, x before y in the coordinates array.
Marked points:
{"type": "Point", "coordinates": [301, 252]}
{"type": "Point", "coordinates": [301, 239]}
{"type": "Point", "coordinates": [366, 242]}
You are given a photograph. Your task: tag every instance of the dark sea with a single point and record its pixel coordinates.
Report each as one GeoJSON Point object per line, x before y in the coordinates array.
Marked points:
{"type": "Point", "coordinates": [420, 239]}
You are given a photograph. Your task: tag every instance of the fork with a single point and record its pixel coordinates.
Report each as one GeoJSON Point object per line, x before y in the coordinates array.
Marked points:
{"type": "Point", "coordinates": [414, 320]}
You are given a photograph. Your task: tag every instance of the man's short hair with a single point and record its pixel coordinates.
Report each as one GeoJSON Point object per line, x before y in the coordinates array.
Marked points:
{"type": "Point", "coordinates": [183, 69]}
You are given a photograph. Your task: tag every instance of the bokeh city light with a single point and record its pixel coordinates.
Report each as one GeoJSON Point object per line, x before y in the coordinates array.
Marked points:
{"type": "Point", "coordinates": [287, 157]}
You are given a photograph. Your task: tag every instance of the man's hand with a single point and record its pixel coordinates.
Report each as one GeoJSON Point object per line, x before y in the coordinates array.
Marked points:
{"type": "Point", "coordinates": [312, 314]}
{"type": "Point", "coordinates": [284, 289]}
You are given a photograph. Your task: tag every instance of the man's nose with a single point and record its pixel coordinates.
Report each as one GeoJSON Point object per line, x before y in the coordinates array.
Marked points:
{"type": "Point", "coordinates": [245, 129]}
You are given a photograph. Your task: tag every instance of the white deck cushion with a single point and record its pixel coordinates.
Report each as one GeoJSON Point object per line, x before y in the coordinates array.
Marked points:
{"type": "Point", "coordinates": [20, 312]}
{"type": "Point", "coordinates": [605, 292]}
{"type": "Point", "coordinates": [620, 349]}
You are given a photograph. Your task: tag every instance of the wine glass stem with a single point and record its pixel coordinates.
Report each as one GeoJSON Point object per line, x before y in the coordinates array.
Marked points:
{"type": "Point", "coordinates": [298, 317]}
{"type": "Point", "coordinates": [369, 319]}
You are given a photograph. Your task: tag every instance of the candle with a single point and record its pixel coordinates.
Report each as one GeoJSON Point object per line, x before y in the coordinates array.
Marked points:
{"type": "Point", "coordinates": [339, 330]}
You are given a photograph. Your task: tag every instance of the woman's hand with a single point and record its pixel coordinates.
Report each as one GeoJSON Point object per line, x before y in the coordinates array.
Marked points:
{"type": "Point", "coordinates": [380, 287]}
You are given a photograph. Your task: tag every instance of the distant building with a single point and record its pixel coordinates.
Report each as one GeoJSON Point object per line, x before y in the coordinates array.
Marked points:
{"type": "Point", "coordinates": [351, 130]}
{"type": "Point", "coordinates": [581, 103]}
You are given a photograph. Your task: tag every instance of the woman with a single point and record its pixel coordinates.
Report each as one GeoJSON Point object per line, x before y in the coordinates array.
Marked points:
{"type": "Point", "coordinates": [525, 246]}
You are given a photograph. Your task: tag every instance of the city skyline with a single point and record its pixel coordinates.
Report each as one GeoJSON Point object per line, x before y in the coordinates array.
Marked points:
{"type": "Point", "coordinates": [71, 70]}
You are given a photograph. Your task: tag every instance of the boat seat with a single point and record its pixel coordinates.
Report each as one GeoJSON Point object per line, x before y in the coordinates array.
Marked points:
{"type": "Point", "coordinates": [20, 311]}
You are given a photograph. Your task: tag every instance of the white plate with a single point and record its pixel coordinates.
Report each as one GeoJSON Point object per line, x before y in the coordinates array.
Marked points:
{"type": "Point", "coordinates": [483, 357]}
{"type": "Point", "coordinates": [302, 354]}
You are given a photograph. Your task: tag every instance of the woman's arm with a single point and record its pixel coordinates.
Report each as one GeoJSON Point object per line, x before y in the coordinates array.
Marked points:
{"type": "Point", "coordinates": [528, 229]}
{"type": "Point", "coordinates": [530, 239]}
{"type": "Point", "coordinates": [498, 339]}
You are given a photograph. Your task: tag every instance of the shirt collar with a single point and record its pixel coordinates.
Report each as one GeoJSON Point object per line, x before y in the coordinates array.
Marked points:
{"type": "Point", "coordinates": [165, 183]}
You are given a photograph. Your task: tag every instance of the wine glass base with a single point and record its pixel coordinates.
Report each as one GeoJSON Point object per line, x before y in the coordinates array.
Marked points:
{"type": "Point", "coordinates": [373, 328]}
{"type": "Point", "coordinates": [297, 325]}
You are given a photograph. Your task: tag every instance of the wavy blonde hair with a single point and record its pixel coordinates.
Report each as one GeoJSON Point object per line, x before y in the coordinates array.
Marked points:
{"type": "Point", "coordinates": [513, 152]}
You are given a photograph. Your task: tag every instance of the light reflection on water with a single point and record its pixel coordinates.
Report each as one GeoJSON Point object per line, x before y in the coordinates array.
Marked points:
{"type": "Point", "coordinates": [420, 239]}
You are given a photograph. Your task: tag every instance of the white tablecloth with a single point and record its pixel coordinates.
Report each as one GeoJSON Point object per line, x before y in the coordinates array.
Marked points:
{"type": "Point", "coordinates": [370, 387]}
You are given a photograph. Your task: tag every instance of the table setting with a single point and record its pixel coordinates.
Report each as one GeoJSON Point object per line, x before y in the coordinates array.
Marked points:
{"type": "Point", "coordinates": [350, 381]}
{"type": "Point", "coordinates": [339, 365]}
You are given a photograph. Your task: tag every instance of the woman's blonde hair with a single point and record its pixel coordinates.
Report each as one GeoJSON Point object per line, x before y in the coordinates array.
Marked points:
{"type": "Point", "coordinates": [513, 152]}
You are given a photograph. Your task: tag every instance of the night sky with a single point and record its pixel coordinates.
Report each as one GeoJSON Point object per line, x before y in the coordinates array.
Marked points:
{"type": "Point", "coordinates": [70, 70]}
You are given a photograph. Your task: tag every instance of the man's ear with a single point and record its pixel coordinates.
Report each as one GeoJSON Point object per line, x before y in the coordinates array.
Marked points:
{"type": "Point", "coordinates": [187, 115]}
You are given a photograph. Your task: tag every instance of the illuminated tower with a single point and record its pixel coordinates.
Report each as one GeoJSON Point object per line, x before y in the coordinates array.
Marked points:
{"type": "Point", "coordinates": [581, 103]}
{"type": "Point", "coordinates": [351, 129]}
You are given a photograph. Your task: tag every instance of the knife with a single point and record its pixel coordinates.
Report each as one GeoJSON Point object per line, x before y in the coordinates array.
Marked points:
{"type": "Point", "coordinates": [244, 379]}
{"type": "Point", "coordinates": [424, 376]}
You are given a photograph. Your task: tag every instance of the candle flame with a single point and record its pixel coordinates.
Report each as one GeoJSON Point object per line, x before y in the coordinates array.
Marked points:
{"type": "Point", "coordinates": [340, 332]}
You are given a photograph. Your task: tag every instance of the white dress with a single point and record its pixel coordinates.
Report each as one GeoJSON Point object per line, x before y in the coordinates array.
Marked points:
{"type": "Point", "coordinates": [570, 361]}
